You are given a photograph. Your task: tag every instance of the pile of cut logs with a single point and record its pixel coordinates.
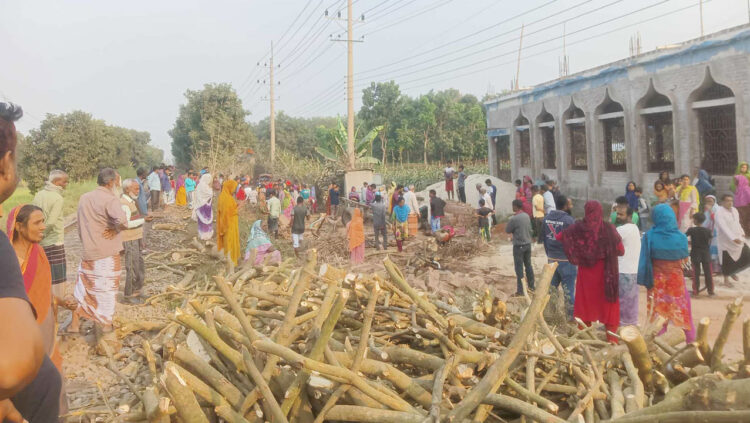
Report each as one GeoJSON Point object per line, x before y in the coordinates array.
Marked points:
{"type": "Point", "coordinates": [312, 344]}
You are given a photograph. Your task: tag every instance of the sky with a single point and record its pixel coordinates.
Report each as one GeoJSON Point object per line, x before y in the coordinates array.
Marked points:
{"type": "Point", "coordinates": [130, 63]}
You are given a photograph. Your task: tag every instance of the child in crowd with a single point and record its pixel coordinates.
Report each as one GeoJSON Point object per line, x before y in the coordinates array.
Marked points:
{"type": "Point", "coordinates": [644, 210]}
{"type": "Point", "coordinates": [700, 254]}
{"type": "Point", "coordinates": [483, 214]}
{"type": "Point", "coordinates": [628, 266]}
{"type": "Point", "coordinates": [537, 203]}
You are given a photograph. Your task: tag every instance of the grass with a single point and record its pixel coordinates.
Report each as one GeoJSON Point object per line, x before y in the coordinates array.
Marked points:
{"type": "Point", "coordinates": [72, 193]}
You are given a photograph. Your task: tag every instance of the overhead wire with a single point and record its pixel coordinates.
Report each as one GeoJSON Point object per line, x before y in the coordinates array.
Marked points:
{"type": "Point", "coordinates": [404, 19]}
{"type": "Point", "coordinates": [411, 69]}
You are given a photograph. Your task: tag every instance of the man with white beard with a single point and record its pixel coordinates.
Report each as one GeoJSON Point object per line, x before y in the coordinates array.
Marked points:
{"type": "Point", "coordinates": [131, 241]}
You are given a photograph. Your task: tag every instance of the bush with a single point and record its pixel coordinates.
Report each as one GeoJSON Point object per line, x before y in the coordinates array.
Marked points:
{"type": "Point", "coordinates": [422, 176]}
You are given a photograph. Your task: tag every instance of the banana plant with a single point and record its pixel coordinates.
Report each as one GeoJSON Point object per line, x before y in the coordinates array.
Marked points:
{"type": "Point", "coordinates": [338, 154]}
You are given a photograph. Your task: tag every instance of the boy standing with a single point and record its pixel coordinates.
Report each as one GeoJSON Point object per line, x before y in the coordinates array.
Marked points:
{"type": "Point", "coordinates": [700, 254]}
{"type": "Point", "coordinates": [461, 184]}
{"type": "Point", "coordinates": [483, 214]}
{"type": "Point", "coordinates": [274, 211]}
{"type": "Point", "coordinates": [299, 213]}
{"type": "Point", "coordinates": [554, 223]}
{"type": "Point", "coordinates": [537, 203]}
{"type": "Point", "coordinates": [437, 210]}
{"type": "Point", "coordinates": [520, 226]}
{"type": "Point", "coordinates": [644, 210]}
{"type": "Point", "coordinates": [448, 173]}
{"type": "Point", "coordinates": [628, 265]}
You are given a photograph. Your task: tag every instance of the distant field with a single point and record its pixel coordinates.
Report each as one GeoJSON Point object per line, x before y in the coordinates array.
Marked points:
{"type": "Point", "coordinates": [72, 193]}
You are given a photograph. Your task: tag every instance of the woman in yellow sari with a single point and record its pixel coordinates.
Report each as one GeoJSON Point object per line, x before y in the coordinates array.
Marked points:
{"type": "Point", "coordinates": [689, 203]}
{"type": "Point", "coordinates": [25, 228]}
{"type": "Point", "coordinates": [227, 222]}
{"type": "Point", "coordinates": [180, 197]}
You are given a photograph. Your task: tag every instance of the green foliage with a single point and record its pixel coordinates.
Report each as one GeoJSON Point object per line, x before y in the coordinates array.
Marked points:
{"type": "Point", "coordinates": [436, 126]}
{"type": "Point", "coordinates": [334, 149]}
{"type": "Point", "coordinates": [211, 129]}
{"type": "Point", "coordinates": [81, 145]}
{"type": "Point", "coordinates": [300, 135]}
{"type": "Point", "coordinates": [422, 176]}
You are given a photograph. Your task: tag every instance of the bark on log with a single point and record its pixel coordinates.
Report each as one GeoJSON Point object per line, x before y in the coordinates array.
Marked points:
{"type": "Point", "coordinates": [204, 391]}
{"type": "Point", "coordinates": [635, 380]}
{"type": "Point", "coordinates": [701, 337]}
{"type": "Point", "coordinates": [733, 311]}
{"type": "Point", "coordinates": [617, 399]}
{"type": "Point", "coordinates": [639, 353]}
{"type": "Point", "coordinates": [690, 416]}
{"type": "Point", "coordinates": [746, 340]}
{"type": "Point", "coordinates": [209, 375]}
{"type": "Point", "coordinates": [496, 373]}
{"type": "Point", "coordinates": [183, 398]}
{"type": "Point", "coordinates": [398, 278]}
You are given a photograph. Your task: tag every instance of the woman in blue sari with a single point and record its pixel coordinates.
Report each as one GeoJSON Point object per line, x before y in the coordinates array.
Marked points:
{"type": "Point", "coordinates": [663, 250]}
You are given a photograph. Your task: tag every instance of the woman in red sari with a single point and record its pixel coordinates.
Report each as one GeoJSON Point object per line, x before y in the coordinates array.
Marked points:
{"type": "Point", "coordinates": [594, 245]}
{"type": "Point", "coordinates": [25, 229]}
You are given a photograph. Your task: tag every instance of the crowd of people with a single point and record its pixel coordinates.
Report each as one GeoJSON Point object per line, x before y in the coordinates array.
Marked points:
{"type": "Point", "coordinates": [601, 262]}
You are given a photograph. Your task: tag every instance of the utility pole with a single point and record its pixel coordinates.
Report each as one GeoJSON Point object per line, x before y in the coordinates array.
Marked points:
{"type": "Point", "coordinates": [518, 64]}
{"type": "Point", "coordinates": [351, 155]}
{"type": "Point", "coordinates": [700, 8]}
{"type": "Point", "coordinates": [273, 112]}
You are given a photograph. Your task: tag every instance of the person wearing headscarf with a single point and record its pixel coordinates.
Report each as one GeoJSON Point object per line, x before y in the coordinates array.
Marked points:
{"type": "Point", "coordinates": [400, 222]}
{"type": "Point", "coordinates": [355, 231]}
{"type": "Point", "coordinates": [668, 184]}
{"type": "Point", "coordinates": [742, 201]}
{"type": "Point", "coordinates": [180, 198]}
{"type": "Point", "coordinates": [734, 254]}
{"type": "Point", "coordinates": [203, 211]}
{"type": "Point", "coordinates": [259, 248]}
{"type": "Point", "coordinates": [630, 195]}
{"type": "Point", "coordinates": [664, 250]}
{"type": "Point", "coordinates": [527, 183]}
{"type": "Point", "coordinates": [709, 210]}
{"type": "Point", "coordinates": [227, 222]}
{"type": "Point", "coordinates": [742, 170]}
{"type": "Point", "coordinates": [354, 195]}
{"type": "Point", "coordinates": [704, 185]}
{"type": "Point", "coordinates": [594, 246]}
{"type": "Point", "coordinates": [410, 197]}
{"type": "Point", "coordinates": [689, 203]}
{"type": "Point", "coordinates": [660, 192]}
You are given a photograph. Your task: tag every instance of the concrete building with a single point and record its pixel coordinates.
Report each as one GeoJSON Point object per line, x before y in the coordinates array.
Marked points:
{"type": "Point", "coordinates": [677, 109]}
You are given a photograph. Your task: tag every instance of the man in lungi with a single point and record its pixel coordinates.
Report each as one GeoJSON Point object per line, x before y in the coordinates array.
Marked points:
{"type": "Point", "coordinates": [101, 221]}
{"type": "Point", "coordinates": [50, 200]}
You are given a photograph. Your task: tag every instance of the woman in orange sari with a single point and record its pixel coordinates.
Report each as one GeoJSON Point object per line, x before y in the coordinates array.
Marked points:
{"type": "Point", "coordinates": [355, 231]}
{"type": "Point", "coordinates": [25, 229]}
{"type": "Point", "coordinates": [227, 222]}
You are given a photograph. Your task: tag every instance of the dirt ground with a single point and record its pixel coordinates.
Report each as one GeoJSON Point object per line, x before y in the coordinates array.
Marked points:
{"type": "Point", "coordinates": [467, 267]}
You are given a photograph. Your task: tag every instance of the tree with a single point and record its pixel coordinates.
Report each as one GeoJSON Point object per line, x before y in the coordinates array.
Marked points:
{"type": "Point", "coordinates": [292, 133]}
{"type": "Point", "coordinates": [338, 154]}
{"type": "Point", "coordinates": [425, 121]}
{"type": "Point", "coordinates": [381, 105]}
{"type": "Point", "coordinates": [211, 129]}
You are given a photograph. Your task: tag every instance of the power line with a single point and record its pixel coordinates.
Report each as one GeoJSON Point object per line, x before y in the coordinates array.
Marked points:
{"type": "Point", "coordinates": [534, 9]}
{"type": "Point", "coordinates": [412, 70]}
{"type": "Point", "coordinates": [408, 17]}
{"type": "Point", "coordinates": [312, 12]}
{"type": "Point", "coordinates": [421, 79]}
{"type": "Point", "coordinates": [294, 21]}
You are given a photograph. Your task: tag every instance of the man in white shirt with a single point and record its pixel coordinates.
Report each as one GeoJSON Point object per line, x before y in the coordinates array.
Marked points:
{"type": "Point", "coordinates": [132, 238]}
{"type": "Point", "coordinates": [549, 199]}
{"type": "Point", "coordinates": [154, 184]}
{"type": "Point", "coordinates": [628, 267]}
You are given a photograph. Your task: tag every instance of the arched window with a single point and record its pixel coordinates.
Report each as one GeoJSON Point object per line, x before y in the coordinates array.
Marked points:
{"type": "Point", "coordinates": [575, 121]}
{"type": "Point", "coordinates": [656, 115]}
{"type": "Point", "coordinates": [612, 119]}
{"type": "Point", "coordinates": [546, 124]}
{"type": "Point", "coordinates": [714, 106]}
{"type": "Point", "coordinates": [524, 141]}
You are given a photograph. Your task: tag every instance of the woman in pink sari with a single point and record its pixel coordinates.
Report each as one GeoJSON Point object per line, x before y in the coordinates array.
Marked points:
{"type": "Point", "coordinates": [689, 203]}
{"type": "Point", "coordinates": [742, 201]}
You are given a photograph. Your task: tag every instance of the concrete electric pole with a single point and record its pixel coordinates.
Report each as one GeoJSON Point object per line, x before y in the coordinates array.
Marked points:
{"type": "Point", "coordinates": [273, 112]}
{"type": "Point", "coordinates": [350, 87]}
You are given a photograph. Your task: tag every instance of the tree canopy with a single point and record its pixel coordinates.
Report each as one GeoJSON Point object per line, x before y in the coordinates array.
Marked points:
{"type": "Point", "coordinates": [211, 129]}
{"type": "Point", "coordinates": [81, 145]}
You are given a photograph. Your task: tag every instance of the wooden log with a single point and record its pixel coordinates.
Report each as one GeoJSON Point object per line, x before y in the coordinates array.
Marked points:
{"type": "Point", "coordinates": [204, 391]}
{"type": "Point", "coordinates": [352, 413]}
{"type": "Point", "coordinates": [210, 375]}
{"type": "Point", "coordinates": [616, 398]}
{"type": "Point", "coordinates": [746, 340]}
{"type": "Point", "coordinates": [690, 416]}
{"type": "Point", "coordinates": [316, 366]}
{"type": "Point", "coordinates": [733, 311]}
{"type": "Point", "coordinates": [405, 355]}
{"type": "Point", "coordinates": [701, 337]}
{"type": "Point", "coordinates": [639, 392]}
{"type": "Point", "coordinates": [156, 409]}
{"type": "Point", "coordinates": [531, 396]}
{"type": "Point", "coordinates": [262, 387]}
{"type": "Point", "coordinates": [495, 374]}
{"type": "Point", "coordinates": [211, 337]}
{"type": "Point", "coordinates": [183, 398]}
{"type": "Point", "coordinates": [689, 356]}
{"type": "Point", "coordinates": [400, 281]}
{"type": "Point", "coordinates": [477, 328]}
{"type": "Point", "coordinates": [639, 353]}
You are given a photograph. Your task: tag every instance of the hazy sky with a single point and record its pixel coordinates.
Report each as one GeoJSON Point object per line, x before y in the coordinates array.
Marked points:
{"type": "Point", "coordinates": [130, 62]}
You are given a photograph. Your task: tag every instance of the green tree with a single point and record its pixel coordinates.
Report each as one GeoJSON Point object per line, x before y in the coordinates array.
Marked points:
{"type": "Point", "coordinates": [292, 133]}
{"type": "Point", "coordinates": [381, 105]}
{"type": "Point", "coordinates": [211, 129]}
{"type": "Point", "coordinates": [425, 122]}
{"type": "Point", "coordinates": [337, 138]}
